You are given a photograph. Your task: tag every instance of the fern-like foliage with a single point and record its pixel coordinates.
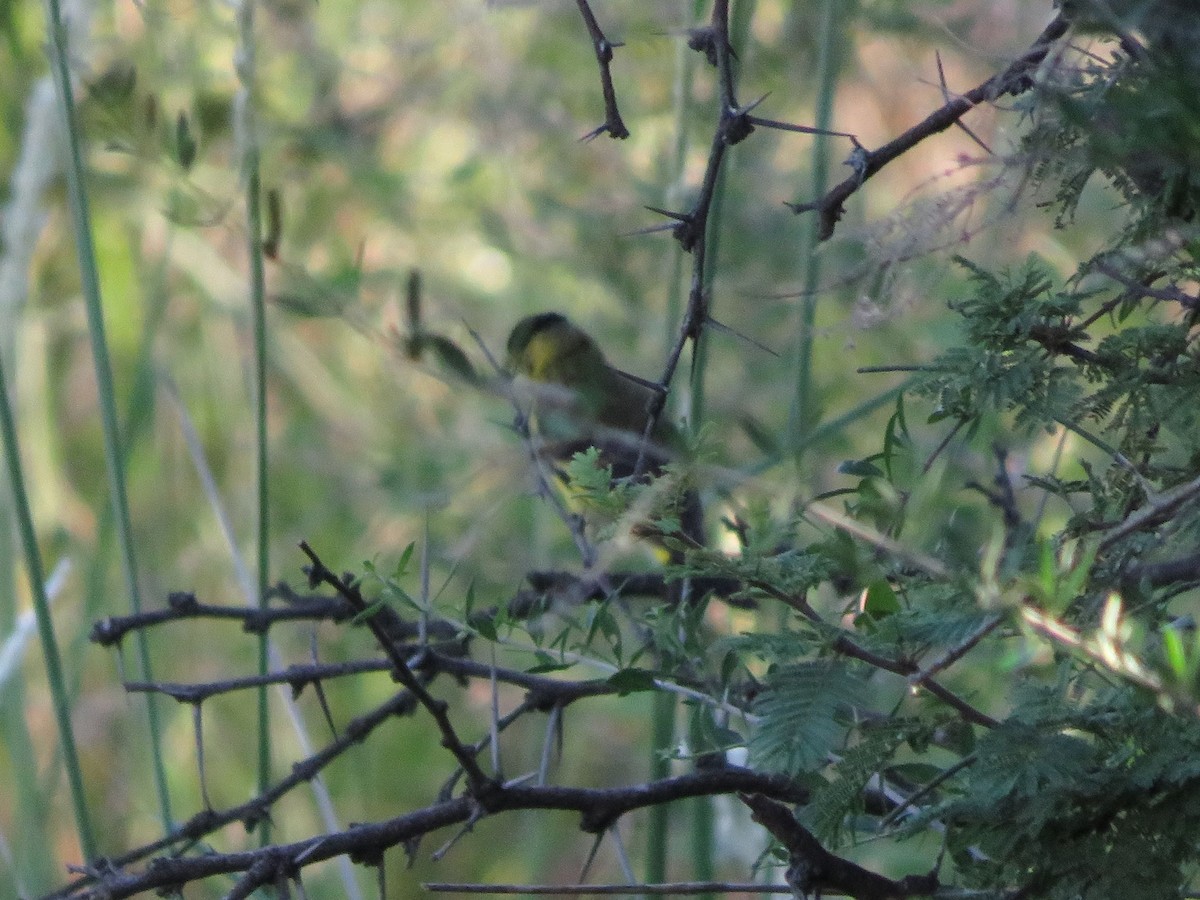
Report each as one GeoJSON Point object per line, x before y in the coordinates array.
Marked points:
{"type": "Point", "coordinates": [803, 707]}
{"type": "Point", "coordinates": [1101, 804]}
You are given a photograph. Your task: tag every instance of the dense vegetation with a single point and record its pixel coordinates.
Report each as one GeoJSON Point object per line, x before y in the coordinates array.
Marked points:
{"type": "Point", "coordinates": [937, 634]}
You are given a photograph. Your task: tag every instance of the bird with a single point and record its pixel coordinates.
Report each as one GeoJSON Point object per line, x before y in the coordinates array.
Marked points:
{"type": "Point", "coordinates": [579, 400]}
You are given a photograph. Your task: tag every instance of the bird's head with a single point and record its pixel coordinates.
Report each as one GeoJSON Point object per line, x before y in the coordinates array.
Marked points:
{"type": "Point", "coordinates": [548, 347]}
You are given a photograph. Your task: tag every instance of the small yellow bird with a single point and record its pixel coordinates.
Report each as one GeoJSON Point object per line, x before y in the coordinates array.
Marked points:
{"type": "Point", "coordinates": [580, 401]}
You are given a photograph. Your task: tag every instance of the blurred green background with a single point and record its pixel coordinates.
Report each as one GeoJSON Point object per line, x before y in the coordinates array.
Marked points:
{"type": "Point", "coordinates": [445, 138]}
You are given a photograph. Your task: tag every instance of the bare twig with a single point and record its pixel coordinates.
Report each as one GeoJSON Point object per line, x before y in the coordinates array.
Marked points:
{"type": "Point", "coordinates": [928, 788]}
{"type": "Point", "coordinates": [599, 808]}
{"type": "Point", "coordinates": [1159, 508]}
{"type": "Point", "coordinates": [1171, 571]}
{"type": "Point", "coordinates": [1170, 294]}
{"type": "Point", "coordinates": [1106, 647]}
{"type": "Point", "coordinates": [813, 868]}
{"type": "Point", "coordinates": [955, 653]}
{"type": "Point", "coordinates": [207, 822]}
{"type": "Point", "coordinates": [603, 48]}
{"type": "Point", "coordinates": [609, 890]}
{"type": "Point", "coordinates": [482, 786]}
{"type": "Point", "coordinates": [1015, 79]}
{"type": "Point", "coordinates": [691, 230]}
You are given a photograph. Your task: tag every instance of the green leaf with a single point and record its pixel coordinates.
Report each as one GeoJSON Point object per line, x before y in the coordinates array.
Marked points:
{"type": "Point", "coordinates": [762, 439]}
{"type": "Point", "coordinates": [367, 613]}
{"type": "Point", "coordinates": [185, 142]}
{"type": "Point", "coordinates": [632, 681]}
{"type": "Point", "coordinates": [405, 557]}
{"type": "Point", "coordinates": [547, 663]}
{"type": "Point", "coordinates": [588, 475]}
{"type": "Point", "coordinates": [800, 706]}
{"type": "Point", "coordinates": [486, 628]}
{"type": "Point", "coordinates": [449, 356]}
{"type": "Point", "coordinates": [917, 773]}
{"type": "Point", "coordinates": [1182, 668]}
{"type": "Point", "coordinates": [861, 468]}
{"type": "Point", "coordinates": [881, 600]}
{"type": "Point", "coordinates": [838, 795]}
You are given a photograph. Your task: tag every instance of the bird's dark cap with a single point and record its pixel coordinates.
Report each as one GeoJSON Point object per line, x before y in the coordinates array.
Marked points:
{"type": "Point", "coordinates": [524, 330]}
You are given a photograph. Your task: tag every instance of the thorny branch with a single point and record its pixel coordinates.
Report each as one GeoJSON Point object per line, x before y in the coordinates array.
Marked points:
{"type": "Point", "coordinates": [415, 666]}
{"type": "Point", "coordinates": [598, 807]}
{"type": "Point", "coordinates": [844, 645]}
{"type": "Point", "coordinates": [210, 821]}
{"type": "Point", "coordinates": [1016, 79]}
{"type": "Point", "coordinates": [482, 787]}
{"type": "Point", "coordinates": [603, 48]}
{"type": "Point", "coordinates": [812, 868]}
{"type": "Point", "coordinates": [734, 124]}
{"type": "Point", "coordinates": [1171, 294]}
{"type": "Point", "coordinates": [1157, 510]}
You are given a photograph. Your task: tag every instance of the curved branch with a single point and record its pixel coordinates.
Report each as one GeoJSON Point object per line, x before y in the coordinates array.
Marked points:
{"type": "Point", "coordinates": [812, 868]}
{"type": "Point", "coordinates": [1015, 79]}
{"type": "Point", "coordinates": [598, 809]}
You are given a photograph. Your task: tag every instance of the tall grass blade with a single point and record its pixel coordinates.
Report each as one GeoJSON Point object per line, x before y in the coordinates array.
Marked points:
{"type": "Point", "coordinates": [113, 457]}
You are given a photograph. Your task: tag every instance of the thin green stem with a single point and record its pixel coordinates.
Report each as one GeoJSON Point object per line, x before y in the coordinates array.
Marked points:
{"type": "Point", "coordinates": [41, 609]}
{"type": "Point", "coordinates": [702, 816]}
{"type": "Point", "coordinates": [251, 170]}
{"type": "Point", "coordinates": [662, 718]}
{"type": "Point", "coordinates": [703, 819]}
{"type": "Point", "coordinates": [802, 406]}
{"type": "Point", "coordinates": [662, 715]}
{"type": "Point", "coordinates": [682, 94]}
{"type": "Point", "coordinates": [113, 456]}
